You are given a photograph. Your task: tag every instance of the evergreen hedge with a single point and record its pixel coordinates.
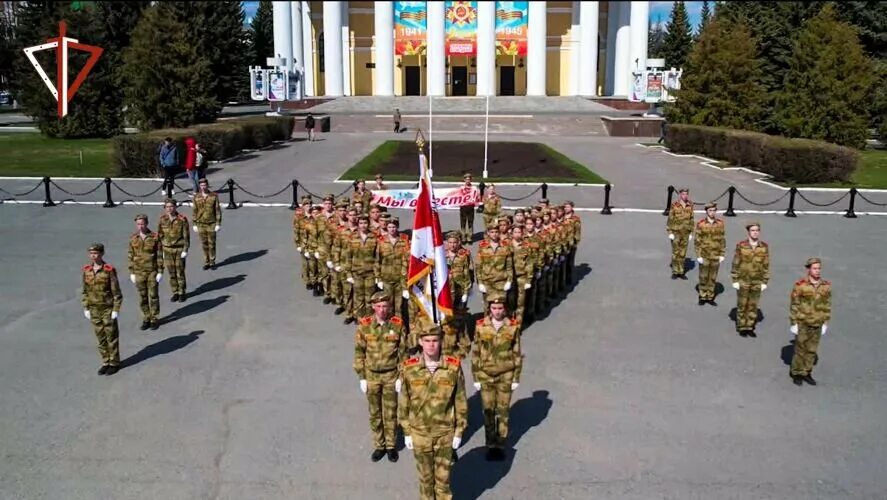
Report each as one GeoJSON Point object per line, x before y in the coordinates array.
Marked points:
{"type": "Point", "coordinates": [135, 155]}
{"type": "Point", "coordinates": [800, 161]}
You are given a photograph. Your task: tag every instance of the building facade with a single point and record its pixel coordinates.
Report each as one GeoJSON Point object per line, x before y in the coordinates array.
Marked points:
{"type": "Point", "coordinates": [343, 48]}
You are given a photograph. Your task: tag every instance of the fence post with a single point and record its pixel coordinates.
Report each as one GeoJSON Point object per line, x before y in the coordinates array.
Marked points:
{"type": "Point", "coordinates": [47, 202]}
{"type": "Point", "coordinates": [668, 201]}
{"type": "Point", "coordinates": [850, 213]}
{"type": "Point", "coordinates": [231, 204]}
{"type": "Point", "coordinates": [109, 203]}
{"type": "Point", "coordinates": [545, 190]}
{"type": "Point", "coordinates": [732, 192]}
{"type": "Point", "coordinates": [791, 202]}
{"type": "Point", "coordinates": [606, 210]}
{"type": "Point", "coordinates": [295, 202]}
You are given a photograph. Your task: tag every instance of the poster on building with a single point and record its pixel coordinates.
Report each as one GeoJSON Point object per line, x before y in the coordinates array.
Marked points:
{"type": "Point", "coordinates": [653, 92]}
{"type": "Point", "coordinates": [638, 87]}
{"type": "Point", "coordinates": [410, 24]}
{"type": "Point", "coordinates": [461, 28]}
{"type": "Point", "coordinates": [511, 28]}
{"type": "Point", "coordinates": [672, 85]}
{"type": "Point", "coordinates": [277, 84]}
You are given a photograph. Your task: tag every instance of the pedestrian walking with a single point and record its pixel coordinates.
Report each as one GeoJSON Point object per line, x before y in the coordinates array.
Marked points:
{"type": "Point", "coordinates": [169, 162]}
{"type": "Point", "coordinates": [309, 126]}
{"type": "Point", "coordinates": [102, 299]}
{"type": "Point", "coordinates": [396, 120]}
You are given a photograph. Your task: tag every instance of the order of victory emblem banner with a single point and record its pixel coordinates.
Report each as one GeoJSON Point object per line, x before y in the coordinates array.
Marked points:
{"type": "Point", "coordinates": [461, 28]}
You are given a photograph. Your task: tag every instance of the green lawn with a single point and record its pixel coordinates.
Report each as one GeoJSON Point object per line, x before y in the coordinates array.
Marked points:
{"type": "Point", "coordinates": [30, 154]}
{"type": "Point", "coordinates": [871, 173]}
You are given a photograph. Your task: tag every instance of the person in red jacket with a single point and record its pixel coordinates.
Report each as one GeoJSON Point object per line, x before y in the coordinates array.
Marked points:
{"type": "Point", "coordinates": [191, 162]}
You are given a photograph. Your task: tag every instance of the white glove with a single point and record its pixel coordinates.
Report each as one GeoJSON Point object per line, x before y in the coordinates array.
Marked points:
{"type": "Point", "coordinates": [763, 287]}
{"type": "Point", "coordinates": [408, 442]}
{"type": "Point", "coordinates": [464, 297]}
{"type": "Point", "coordinates": [824, 328]}
{"type": "Point", "coordinates": [307, 255]}
{"type": "Point", "coordinates": [184, 254]}
{"type": "Point", "coordinates": [700, 260]}
{"type": "Point", "coordinates": [538, 275]}
{"type": "Point", "coordinates": [338, 269]}
{"type": "Point", "coordinates": [380, 285]}
{"type": "Point", "coordinates": [159, 277]}
{"type": "Point", "coordinates": [329, 264]}
{"type": "Point", "coordinates": [671, 236]}
{"type": "Point", "coordinates": [514, 386]}
{"type": "Point", "coordinates": [114, 315]}
{"type": "Point", "coordinates": [132, 277]}
{"type": "Point", "coordinates": [477, 385]}
{"type": "Point", "coordinates": [793, 329]}
{"type": "Point", "coordinates": [482, 288]}
{"type": "Point", "coordinates": [721, 259]}
{"type": "Point", "coordinates": [507, 286]}
{"type": "Point", "coordinates": [194, 228]}
{"type": "Point", "coordinates": [457, 440]}
{"type": "Point", "coordinates": [363, 386]}
{"type": "Point", "coordinates": [86, 313]}
{"type": "Point", "coordinates": [690, 238]}
{"type": "Point", "coordinates": [527, 286]}
{"type": "Point", "coordinates": [406, 294]}
{"type": "Point", "coordinates": [216, 229]}
{"type": "Point", "coordinates": [736, 285]}
{"type": "Point", "coordinates": [316, 255]}
{"type": "Point", "coordinates": [350, 280]}
{"type": "Point", "coordinates": [397, 384]}
{"type": "Point", "coordinates": [299, 249]}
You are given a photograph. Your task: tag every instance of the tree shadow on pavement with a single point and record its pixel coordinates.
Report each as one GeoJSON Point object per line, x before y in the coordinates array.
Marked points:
{"type": "Point", "coordinates": [194, 308]}
{"type": "Point", "coordinates": [473, 475]}
{"type": "Point", "coordinates": [217, 284]}
{"type": "Point", "coordinates": [165, 346]}
{"type": "Point", "coordinates": [242, 257]}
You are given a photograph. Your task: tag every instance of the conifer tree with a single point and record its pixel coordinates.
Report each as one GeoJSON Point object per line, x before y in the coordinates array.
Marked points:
{"type": "Point", "coordinates": [262, 34]}
{"type": "Point", "coordinates": [678, 38]}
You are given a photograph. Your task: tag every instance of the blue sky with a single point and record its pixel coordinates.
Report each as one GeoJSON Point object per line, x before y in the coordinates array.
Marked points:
{"type": "Point", "coordinates": [657, 9]}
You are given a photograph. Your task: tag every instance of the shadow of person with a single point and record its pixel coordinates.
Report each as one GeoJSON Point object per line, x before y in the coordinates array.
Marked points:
{"type": "Point", "coordinates": [719, 288]}
{"type": "Point", "coordinates": [788, 352]}
{"type": "Point", "coordinates": [472, 475]}
{"type": "Point", "coordinates": [242, 257]}
{"type": "Point", "coordinates": [217, 284]}
{"type": "Point", "coordinates": [689, 264]}
{"type": "Point", "coordinates": [165, 346]}
{"type": "Point", "coordinates": [195, 308]}
{"type": "Point", "coordinates": [580, 271]}
{"type": "Point", "coordinates": [475, 415]}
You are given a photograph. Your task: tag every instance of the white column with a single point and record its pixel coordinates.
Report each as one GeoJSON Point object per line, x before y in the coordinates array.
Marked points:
{"type": "Point", "coordinates": [283, 31]}
{"type": "Point", "coordinates": [640, 25]}
{"type": "Point", "coordinates": [588, 19]}
{"type": "Point", "coordinates": [436, 75]}
{"type": "Point", "coordinates": [383, 74]}
{"type": "Point", "coordinates": [297, 64]}
{"type": "Point", "coordinates": [308, 48]}
{"type": "Point", "coordinates": [621, 77]}
{"type": "Point", "coordinates": [486, 48]}
{"type": "Point", "coordinates": [575, 36]}
{"type": "Point", "coordinates": [537, 35]}
{"type": "Point", "coordinates": [346, 50]}
{"type": "Point", "coordinates": [332, 48]}
{"type": "Point", "coordinates": [612, 28]}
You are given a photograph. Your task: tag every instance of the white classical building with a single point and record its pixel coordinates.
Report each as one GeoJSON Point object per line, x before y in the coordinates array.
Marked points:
{"type": "Point", "coordinates": [569, 48]}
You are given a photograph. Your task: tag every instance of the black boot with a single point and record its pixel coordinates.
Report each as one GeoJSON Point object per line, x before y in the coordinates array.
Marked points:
{"type": "Point", "coordinates": [702, 302]}
{"type": "Point", "coordinates": [175, 297]}
{"type": "Point", "coordinates": [112, 370]}
{"type": "Point", "coordinates": [797, 380]}
{"type": "Point", "coordinates": [145, 325]}
{"type": "Point", "coordinates": [154, 324]}
{"type": "Point", "coordinates": [348, 320]}
{"type": "Point", "coordinates": [377, 455]}
{"type": "Point", "coordinates": [392, 455]}
{"type": "Point", "coordinates": [751, 333]}
{"type": "Point", "coordinates": [327, 300]}
{"type": "Point", "coordinates": [339, 310]}
{"type": "Point", "coordinates": [809, 379]}
{"type": "Point", "coordinates": [103, 370]}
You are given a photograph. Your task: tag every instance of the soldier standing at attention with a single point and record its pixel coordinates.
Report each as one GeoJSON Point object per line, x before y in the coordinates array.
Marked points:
{"type": "Point", "coordinates": [379, 349]}
{"type": "Point", "coordinates": [460, 268]}
{"type": "Point", "coordinates": [334, 264]}
{"type": "Point", "coordinates": [750, 274]}
{"type": "Point", "coordinates": [711, 245]}
{"type": "Point", "coordinates": [496, 363]}
{"type": "Point", "coordinates": [575, 224]}
{"type": "Point", "coordinates": [175, 240]}
{"type": "Point", "coordinates": [313, 232]}
{"type": "Point", "coordinates": [811, 310]}
{"type": "Point", "coordinates": [358, 264]}
{"type": "Point", "coordinates": [524, 261]}
{"type": "Point", "coordinates": [466, 211]}
{"type": "Point", "coordinates": [495, 266]}
{"type": "Point", "coordinates": [363, 195]}
{"type": "Point", "coordinates": [300, 235]}
{"type": "Point", "coordinates": [433, 412]}
{"type": "Point", "coordinates": [102, 299]}
{"type": "Point", "coordinates": [146, 270]}
{"type": "Point", "coordinates": [344, 238]}
{"type": "Point", "coordinates": [680, 232]}
{"type": "Point", "coordinates": [207, 222]}
{"type": "Point", "coordinates": [323, 249]}
{"type": "Point", "coordinates": [392, 262]}
{"type": "Point", "coordinates": [492, 206]}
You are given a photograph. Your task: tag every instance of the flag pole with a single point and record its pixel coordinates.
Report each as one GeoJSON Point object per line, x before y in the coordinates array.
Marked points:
{"type": "Point", "coordinates": [430, 139]}
{"type": "Point", "coordinates": [486, 135]}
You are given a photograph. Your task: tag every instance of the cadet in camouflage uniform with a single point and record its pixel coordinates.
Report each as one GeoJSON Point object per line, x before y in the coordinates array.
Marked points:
{"type": "Point", "coordinates": [711, 245]}
{"type": "Point", "coordinates": [313, 227]}
{"type": "Point", "coordinates": [392, 261]}
{"type": "Point", "coordinates": [495, 266]}
{"type": "Point", "coordinates": [175, 240]}
{"type": "Point", "coordinates": [362, 195]}
{"type": "Point", "coordinates": [811, 310]}
{"type": "Point", "coordinates": [207, 221]}
{"type": "Point", "coordinates": [379, 349]}
{"type": "Point", "coordinates": [750, 275]}
{"type": "Point", "coordinates": [145, 261]}
{"type": "Point", "coordinates": [358, 264]}
{"type": "Point", "coordinates": [433, 412]}
{"type": "Point", "coordinates": [343, 238]}
{"type": "Point", "coordinates": [334, 264]}
{"type": "Point", "coordinates": [524, 270]}
{"type": "Point", "coordinates": [300, 219]}
{"type": "Point", "coordinates": [575, 224]}
{"type": "Point", "coordinates": [532, 238]}
{"type": "Point", "coordinates": [323, 248]}
{"type": "Point", "coordinates": [680, 231]}
{"type": "Point", "coordinates": [466, 212]}
{"type": "Point", "coordinates": [460, 268]}
{"type": "Point", "coordinates": [496, 363]}
{"type": "Point", "coordinates": [102, 299]}
{"type": "Point", "coordinates": [492, 206]}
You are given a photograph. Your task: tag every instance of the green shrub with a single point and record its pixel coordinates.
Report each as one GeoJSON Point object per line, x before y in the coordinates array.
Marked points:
{"type": "Point", "coordinates": [135, 155]}
{"type": "Point", "coordinates": [800, 161]}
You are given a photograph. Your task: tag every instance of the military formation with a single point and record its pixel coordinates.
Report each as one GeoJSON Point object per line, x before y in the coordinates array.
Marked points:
{"type": "Point", "coordinates": [750, 276]}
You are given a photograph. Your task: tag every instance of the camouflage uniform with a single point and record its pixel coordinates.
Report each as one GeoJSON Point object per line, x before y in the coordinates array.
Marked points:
{"type": "Point", "coordinates": [496, 363]}
{"type": "Point", "coordinates": [364, 198]}
{"type": "Point", "coordinates": [680, 224]}
{"type": "Point", "coordinates": [145, 259]}
{"type": "Point", "coordinates": [432, 410]}
{"type": "Point", "coordinates": [454, 339]}
{"type": "Point", "coordinates": [337, 280]}
{"type": "Point", "coordinates": [101, 296]}
{"type": "Point", "coordinates": [575, 224]}
{"type": "Point", "coordinates": [551, 243]}
{"type": "Point", "coordinates": [460, 268]}
{"type": "Point", "coordinates": [207, 214]}
{"type": "Point", "coordinates": [300, 218]}
{"type": "Point", "coordinates": [346, 290]}
{"type": "Point", "coordinates": [466, 215]}
{"type": "Point", "coordinates": [811, 308]}
{"type": "Point", "coordinates": [175, 238]}
{"type": "Point", "coordinates": [711, 245]}
{"type": "Point", "coordinates": [315, 231]}
{"type": "Point", "coordinates": [325, 245]}
{"type": "Point", "coordinates": [495, 267]}
{"type": "Point", "coordinates": [751, 269]}
{"type": "Point", "coordinates": [524, 269]}
{"type": "Point", "coordinates": [492, 207]}
{"type": "Point", "coordinates": [392, 262]}
{"type": "Point", "coordinates": [358, 262]}
{"type": "Point", "coordinates": [379, 349]}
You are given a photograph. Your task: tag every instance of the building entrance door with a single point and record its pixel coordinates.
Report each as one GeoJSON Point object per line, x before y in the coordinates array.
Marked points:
{"type": "Point", "coordinates": [506, 80]}
{"type": "Point", "coordinates": [460, 80]}
{"type": "Point", "coordinates": [413, 81]}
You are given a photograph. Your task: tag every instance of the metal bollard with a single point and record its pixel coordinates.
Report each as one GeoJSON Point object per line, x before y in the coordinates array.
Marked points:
{"type": "Point", "coordinates": [606, 210]}
{"type": "Point", "coordinates": [109, 203]}
{"type": "Point", "coordinates": [791, 202]}
{"type": "Point", "coordinates": [668, 201]}
{"type": "Point", "coordinates": [47, 202]}
{"type": "Point", "coordinates": [231, 204]}
{"type": "Point", "coordinates": [850, 213]}
{"type": "Point", "coordinates": [545, 190]}
{"type": "Point", "coordinates": [295, 202]}
{"type": "Point", "coordinates": [732, 192]}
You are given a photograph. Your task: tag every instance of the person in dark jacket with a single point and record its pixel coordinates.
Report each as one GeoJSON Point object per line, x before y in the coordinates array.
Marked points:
{"type": "Point", "coordinates": [169, 162]}
{"type": "Point", "coordinates": [309, 126]}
